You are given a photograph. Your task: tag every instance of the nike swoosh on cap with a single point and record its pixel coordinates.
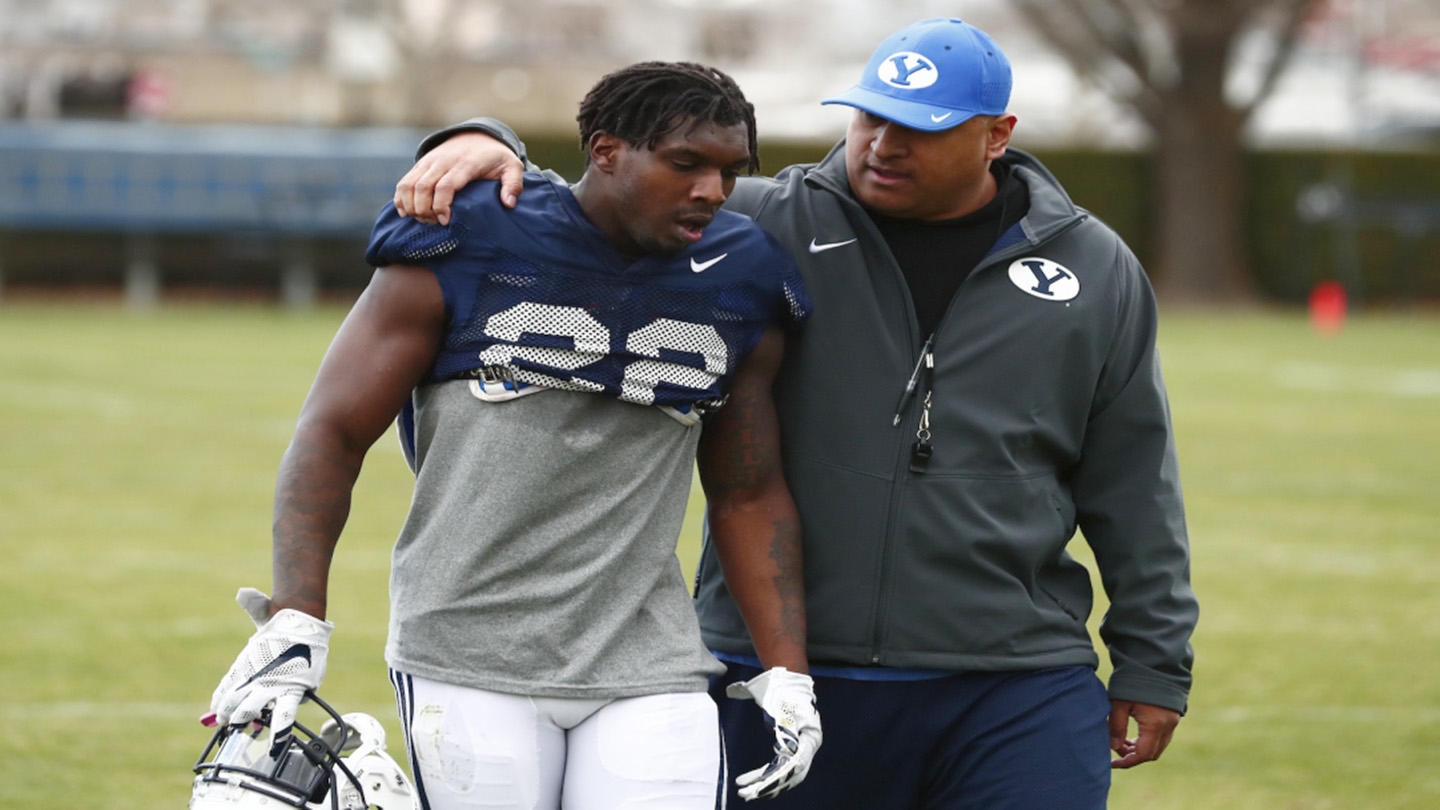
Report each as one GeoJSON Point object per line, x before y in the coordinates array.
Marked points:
{"type": "Point", "coordinates": [295, 651]}
{"type": "Point", "coordinates": [700, 267]}
{"type": "Point", "coordinates": [816, 247]}
{"type": "Point", "coordinates": [938, 118]}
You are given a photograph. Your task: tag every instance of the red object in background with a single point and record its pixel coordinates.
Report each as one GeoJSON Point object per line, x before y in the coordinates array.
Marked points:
{"type": "Point", "coordinates": [1327, 307]}
{"type": "Point", "coordinates": [149, 94]}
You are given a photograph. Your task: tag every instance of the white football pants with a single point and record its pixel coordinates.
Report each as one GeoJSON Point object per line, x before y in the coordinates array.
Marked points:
{"type": "Point", "coordinates": [476, 750]}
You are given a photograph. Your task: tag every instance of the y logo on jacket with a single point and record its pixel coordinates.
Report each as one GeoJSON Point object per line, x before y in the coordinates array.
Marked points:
{"type": "Point", "coordinates": [1044, 279]}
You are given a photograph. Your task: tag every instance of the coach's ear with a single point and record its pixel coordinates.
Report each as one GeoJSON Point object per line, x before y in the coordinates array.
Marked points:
{"type": "Point", "coordinates": [605, 151]}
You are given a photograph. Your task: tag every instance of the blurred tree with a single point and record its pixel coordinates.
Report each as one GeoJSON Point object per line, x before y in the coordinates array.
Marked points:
{"type": "Point", "coordinates": [1170, 60]}
{"type": "Point", "coordinates": [427, 50]}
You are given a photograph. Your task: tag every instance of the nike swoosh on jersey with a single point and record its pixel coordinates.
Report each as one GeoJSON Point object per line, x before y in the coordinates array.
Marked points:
{"type": "Point", "coordinates": [938, 118]}
{"type": "Point", "coordinates": [295, 651]}
{"type": "Point", "coordinates": [816, 247]}
{"type": "Point", "coordinates": [700, 267]}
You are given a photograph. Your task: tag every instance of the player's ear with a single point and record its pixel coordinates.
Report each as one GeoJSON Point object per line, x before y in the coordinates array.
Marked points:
{"type": "Point", "coordinates": [605, 150]}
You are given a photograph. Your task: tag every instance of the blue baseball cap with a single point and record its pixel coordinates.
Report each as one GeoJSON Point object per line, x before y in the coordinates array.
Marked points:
{"type": "Point", "coordinates": [934, 75]}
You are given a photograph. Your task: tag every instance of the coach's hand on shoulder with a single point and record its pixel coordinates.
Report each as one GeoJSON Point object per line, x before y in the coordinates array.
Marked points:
{"type": "Point", "coordinates": [788, 699]}
{"type": "Point", "coordinates": [284, 658]}
{"type": "Point", "coordinates": [426, 191]}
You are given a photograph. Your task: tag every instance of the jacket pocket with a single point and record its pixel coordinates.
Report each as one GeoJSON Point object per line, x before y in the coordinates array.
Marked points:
{"type": "Point", "coordinates": [979, 565]}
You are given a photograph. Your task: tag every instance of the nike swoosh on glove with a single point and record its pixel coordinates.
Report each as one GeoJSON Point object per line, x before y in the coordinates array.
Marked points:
{"type": "Point", "coordinates": [788, 700]}
{"type": "Point", "coordinates": [284, 659]}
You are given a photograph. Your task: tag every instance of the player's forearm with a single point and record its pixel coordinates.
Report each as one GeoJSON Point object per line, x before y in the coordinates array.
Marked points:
{"type": "Point", "coordinates": [758, 544]}
{"type": "Point", "coordinates": [312, 503]}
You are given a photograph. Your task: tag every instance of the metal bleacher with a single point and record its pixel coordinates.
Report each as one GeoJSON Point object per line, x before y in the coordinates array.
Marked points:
{"type": "Point", "coordinates": [149, 180]}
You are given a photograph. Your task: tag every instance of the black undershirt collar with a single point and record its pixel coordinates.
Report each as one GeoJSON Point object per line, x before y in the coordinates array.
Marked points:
{"type": "Point", "coordinates": [936, 257]}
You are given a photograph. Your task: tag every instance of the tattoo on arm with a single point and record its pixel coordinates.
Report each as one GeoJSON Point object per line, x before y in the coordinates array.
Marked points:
{"type": "Point", "coordinates": [743, 450]}
{"type": "Point", "coordinates": [785, 552]}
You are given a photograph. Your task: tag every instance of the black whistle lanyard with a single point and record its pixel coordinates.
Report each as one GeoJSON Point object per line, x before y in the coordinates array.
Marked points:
{"type": "Point", "coordinates": [922, 449]}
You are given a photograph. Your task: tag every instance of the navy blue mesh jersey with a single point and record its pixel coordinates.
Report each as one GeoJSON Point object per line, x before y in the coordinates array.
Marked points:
{"type": "Point", "coordinates": [539, 296]}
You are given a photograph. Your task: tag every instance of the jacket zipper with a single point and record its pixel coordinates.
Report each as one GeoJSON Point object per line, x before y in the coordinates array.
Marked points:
{"type": "Point", "coordinates": [922, 378]}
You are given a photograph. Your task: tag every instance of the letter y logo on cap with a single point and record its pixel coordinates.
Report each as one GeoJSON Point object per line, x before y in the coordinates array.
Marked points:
{"type": "Point", "coordinates": [907, 70]}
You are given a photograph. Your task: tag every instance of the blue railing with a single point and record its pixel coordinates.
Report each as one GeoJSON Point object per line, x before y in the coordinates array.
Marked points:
{"type": "Point", "coordinates": [186, 179]}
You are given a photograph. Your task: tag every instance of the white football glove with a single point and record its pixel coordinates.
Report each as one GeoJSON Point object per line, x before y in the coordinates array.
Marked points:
{"type": "Point", "coordinates": [788, 699]}
{"type": "Point", "coordinates": [284, 658]}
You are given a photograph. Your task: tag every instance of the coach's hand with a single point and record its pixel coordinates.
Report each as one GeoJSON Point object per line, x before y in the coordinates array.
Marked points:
{"type": "Point", "coordinates": [284, 658]}
{"type": "Point", "coordinates": [428, 189]}
{"type": "Point", "coordinates": [788, 700]}
{"type": "Point", "coordinates": [1156, 726]}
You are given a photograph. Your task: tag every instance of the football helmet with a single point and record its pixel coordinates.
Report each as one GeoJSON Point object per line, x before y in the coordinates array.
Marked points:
{"type": "Point", "coordinates": [344, 767]}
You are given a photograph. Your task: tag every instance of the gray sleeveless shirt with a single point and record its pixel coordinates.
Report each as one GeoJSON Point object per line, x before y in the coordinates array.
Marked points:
{"type": "Point", "coordinates": [538, 557]}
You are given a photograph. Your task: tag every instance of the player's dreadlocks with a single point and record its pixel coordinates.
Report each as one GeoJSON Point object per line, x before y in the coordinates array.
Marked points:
{"type": "Point", "coordinates": [644, 102]}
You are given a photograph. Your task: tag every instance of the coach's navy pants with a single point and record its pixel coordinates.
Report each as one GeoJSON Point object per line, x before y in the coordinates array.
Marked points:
{"type": "Point", "coordinates": [983, 741]}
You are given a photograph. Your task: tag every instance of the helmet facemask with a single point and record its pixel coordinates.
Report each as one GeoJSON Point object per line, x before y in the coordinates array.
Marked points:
{"type": "Point", "coordinates": [237, 770]}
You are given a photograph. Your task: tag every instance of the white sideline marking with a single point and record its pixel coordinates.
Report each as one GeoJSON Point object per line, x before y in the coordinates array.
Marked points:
{"type": "Point", "coordinates": [1395, 715]}
{"type": "Point", "coordinates": [119, 710]}
{"type": "Point", "coordinates": [40, 710]}
{"type": "Point", "coordinates": [1400, 382]}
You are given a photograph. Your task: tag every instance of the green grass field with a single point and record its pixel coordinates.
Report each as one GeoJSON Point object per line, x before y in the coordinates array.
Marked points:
{"type": "Point", "coordinates": [137, 459]}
